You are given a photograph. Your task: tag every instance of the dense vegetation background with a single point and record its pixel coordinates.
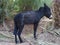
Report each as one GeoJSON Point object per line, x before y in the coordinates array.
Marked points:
{"type": "Point", "coordinates": [8, 8]}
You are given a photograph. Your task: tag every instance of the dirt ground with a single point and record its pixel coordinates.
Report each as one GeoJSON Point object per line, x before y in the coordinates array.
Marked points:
{"type": "Point", "coordinates": [44, 37]}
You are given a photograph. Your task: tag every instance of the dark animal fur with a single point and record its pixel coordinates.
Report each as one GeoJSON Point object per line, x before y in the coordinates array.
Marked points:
{"type": "Point", "coordinates": [29, 17]}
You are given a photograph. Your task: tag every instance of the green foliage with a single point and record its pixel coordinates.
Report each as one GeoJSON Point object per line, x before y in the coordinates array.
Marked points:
{"type": "Point", "coordinates": [40, 3]}
{"type": "Point", "coordinates": [2, 12]}
{"type": "Point", "coordinates": [25, 4]}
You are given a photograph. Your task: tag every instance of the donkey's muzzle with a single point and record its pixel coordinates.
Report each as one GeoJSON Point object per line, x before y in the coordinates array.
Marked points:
{"type": "Point", "coordinates": [50, 17]}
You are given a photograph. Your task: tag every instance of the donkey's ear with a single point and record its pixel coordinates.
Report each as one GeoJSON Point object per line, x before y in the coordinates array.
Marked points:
{"type": "Point", "coordinates": [45, 5]}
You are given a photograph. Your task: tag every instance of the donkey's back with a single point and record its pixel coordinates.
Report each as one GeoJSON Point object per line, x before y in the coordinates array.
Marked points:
{"type": "Point", "coordinates": [27, 17]}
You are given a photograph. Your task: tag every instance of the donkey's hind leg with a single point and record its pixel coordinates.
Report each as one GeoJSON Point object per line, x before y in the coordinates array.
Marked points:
{"type": "Point", "coordinates": [19, 32]}
{"type": "Point", "coordinates": [15, 33]}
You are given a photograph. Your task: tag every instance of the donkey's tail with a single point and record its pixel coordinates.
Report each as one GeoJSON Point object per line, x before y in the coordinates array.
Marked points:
{"type": "Point", "coordinates": [15, 28]}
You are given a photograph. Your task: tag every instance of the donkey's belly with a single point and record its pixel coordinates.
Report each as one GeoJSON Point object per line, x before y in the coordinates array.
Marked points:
{"type": "Point", "coordinates": [30, 21]}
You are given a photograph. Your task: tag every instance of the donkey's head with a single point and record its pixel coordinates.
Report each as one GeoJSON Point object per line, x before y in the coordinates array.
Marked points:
{"type": "Point", "coordinates": [47, 11]}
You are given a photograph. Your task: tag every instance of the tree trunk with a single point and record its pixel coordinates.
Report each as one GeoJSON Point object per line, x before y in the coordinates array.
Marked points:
{"type": "Point", "coordinates": [5, 26]}
{"type": "Point", "coordinates": [56, 13]}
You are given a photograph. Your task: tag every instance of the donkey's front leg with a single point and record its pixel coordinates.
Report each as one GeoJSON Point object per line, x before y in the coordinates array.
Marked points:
{"type": "Point", "coordinates": [35, 29]}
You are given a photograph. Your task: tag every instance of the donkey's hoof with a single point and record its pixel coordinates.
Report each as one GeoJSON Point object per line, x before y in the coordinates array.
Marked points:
{"type": "Point", "coordinates": [35, 38]}
{"type": "Point", "coordinates": [16, 42]}
{"type": "Point", "coordinates": [21, 42]}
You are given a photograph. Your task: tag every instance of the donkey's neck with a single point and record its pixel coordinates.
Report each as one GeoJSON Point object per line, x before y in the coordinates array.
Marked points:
{"type": "Point", "coordinates": [40, 14]}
